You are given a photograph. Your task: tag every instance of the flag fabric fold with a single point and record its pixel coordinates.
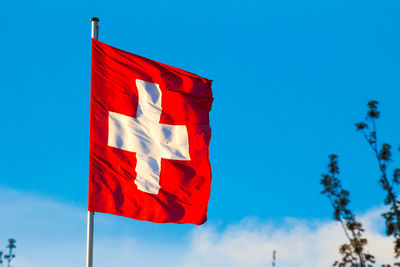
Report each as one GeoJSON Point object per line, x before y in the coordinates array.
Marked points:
{"type": "Point", "coordinates": [149, 137]}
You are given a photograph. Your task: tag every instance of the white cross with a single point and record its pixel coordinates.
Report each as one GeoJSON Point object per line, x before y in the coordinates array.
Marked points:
{"type": "Point", "coordinates": [147, 137]}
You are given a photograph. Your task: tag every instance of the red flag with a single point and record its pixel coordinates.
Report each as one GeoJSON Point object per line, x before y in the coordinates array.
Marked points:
{"type": "Point", "coordinates": [149, 137]}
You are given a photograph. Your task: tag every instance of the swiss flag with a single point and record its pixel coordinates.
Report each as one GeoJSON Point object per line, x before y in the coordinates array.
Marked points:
{"type": "Point", "coordinates": [149, 137]}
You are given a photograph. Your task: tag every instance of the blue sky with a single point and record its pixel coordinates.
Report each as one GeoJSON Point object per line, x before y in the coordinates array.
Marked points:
{"type": "Point", "coordinates": [290, 79]}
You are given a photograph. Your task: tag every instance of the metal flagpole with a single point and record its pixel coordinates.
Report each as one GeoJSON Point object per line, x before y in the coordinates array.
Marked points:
{"type": "Point", "coordinates": [89, 248]}
{"type": "Point", "coordinates": [95, 28]}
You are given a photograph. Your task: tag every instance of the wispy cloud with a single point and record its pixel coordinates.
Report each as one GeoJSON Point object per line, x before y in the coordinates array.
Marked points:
{"type": "Point", "coordinates": [52, 233]}
{"type": "Point", "coordinates": [297, 242]}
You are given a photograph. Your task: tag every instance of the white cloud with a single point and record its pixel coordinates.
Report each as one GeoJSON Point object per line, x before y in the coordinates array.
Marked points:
{"type": "Point", "coordinates": [297, 242]}
{"type": "Point", "coordinates": [51, 233]}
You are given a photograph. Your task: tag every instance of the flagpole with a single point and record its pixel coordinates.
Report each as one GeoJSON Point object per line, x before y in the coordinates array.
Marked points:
{"type": "Point", "coordinates": [90, 218]}
{"type": "Point", "coordinates": [89, 248]}
{"type": "Point", "coordinates": [95, 27]}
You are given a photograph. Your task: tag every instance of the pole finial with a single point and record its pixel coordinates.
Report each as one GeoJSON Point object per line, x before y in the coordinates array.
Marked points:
{"type": "Point", "coordinates": [95, 27]}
